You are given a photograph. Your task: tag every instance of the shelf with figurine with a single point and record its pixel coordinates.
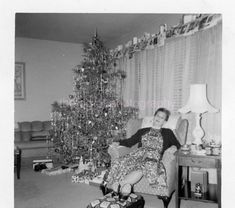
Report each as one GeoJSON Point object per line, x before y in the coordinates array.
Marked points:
{"type": "Point", "coordinates": [198, 194]}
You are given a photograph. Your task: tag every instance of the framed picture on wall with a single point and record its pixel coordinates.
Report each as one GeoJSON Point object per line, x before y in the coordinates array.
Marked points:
{"type": "Point", "coordinates": [19, 81]}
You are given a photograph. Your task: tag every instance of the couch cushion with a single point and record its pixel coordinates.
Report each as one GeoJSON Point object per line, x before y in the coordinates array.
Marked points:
{"type": "Point", "coordinates": [133, 125]}
{"type": "Point", "coordinates": [147, 122]}
{"type": "Point", "coordinates": [24, 126]}
{"type": "Point", "coordinates": [182, 131]}
{"type": "Point", "coordinates": [26, 136]}
{"type": "Point", "coordinates": [17, 137]}
{"type": "Point", "coordinates": [37, 126]}
{"type": "Point", "coordinates": [39, 135]}
{"type": "Point", "coordinates": [32, 145]}
{"type": "Point", "coordinates": [173, 121]}
{"type": "Point", "coordinates": [169, 154]}
{"type": "Point", "coordinates": [47, 125]}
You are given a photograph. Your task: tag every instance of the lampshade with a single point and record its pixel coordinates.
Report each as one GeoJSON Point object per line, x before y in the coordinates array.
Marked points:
{"type": "Point", "coordinates": [198, 102]}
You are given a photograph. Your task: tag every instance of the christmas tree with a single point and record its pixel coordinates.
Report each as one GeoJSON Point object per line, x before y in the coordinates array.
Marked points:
{"type": "Point", "coordinates": [94, 113]}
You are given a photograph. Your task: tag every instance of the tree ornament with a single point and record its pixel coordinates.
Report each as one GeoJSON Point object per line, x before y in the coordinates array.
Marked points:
{"type": "Point", "coordinates": [71, 96]}
{"type": "Point", "coordinates": [95, 138]}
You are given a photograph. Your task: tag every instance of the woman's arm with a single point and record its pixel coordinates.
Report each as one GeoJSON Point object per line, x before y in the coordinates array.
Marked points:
{"type": "Point", "coordinates": [134, 139]}
{"type": "Point", "coordinates": [169, 139]}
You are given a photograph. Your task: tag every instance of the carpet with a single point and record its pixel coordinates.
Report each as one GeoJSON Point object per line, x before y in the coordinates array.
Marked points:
{"type": "Point", "coordinates": [36, 190]}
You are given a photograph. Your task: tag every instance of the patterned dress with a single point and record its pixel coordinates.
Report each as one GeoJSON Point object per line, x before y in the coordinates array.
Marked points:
{"type": "Point", "coordinates": [146, 158]}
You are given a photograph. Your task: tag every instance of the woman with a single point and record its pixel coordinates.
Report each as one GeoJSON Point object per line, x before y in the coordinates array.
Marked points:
{"type": "Point", "coordinates": [145, 160]}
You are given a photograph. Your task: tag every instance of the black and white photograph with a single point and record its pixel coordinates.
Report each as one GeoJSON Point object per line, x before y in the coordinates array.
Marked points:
{"type": "Point", "coordinates": [125, 123]}
{"type": "Point", "coordinates": [111, 110]}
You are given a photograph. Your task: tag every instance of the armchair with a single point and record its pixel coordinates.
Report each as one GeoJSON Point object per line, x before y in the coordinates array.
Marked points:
{"type": "Point", "coordinates": [179, 126]}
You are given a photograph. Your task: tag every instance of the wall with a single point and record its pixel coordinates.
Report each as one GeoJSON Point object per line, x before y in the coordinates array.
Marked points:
{"type": "Point", "coordinates": [49, 76]}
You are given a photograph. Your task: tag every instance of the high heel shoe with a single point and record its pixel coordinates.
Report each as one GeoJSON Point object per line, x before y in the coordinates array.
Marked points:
{"type": "Point", "coordinates": [103, 187]}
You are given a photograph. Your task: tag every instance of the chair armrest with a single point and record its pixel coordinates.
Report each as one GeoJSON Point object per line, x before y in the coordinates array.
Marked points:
{"type": "Point", "coordinates": [117, 151]}
{"type": "Point", "coordinates": [168, 161]}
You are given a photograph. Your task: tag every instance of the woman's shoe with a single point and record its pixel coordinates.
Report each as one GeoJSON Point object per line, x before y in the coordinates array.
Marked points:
{"type": "Point", "coordinates": [105, 190]}
{"type": "Point", "coordinates": [103, 187]}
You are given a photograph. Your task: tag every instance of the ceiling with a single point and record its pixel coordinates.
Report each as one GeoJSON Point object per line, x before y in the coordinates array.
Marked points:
{"type": "Point", "coordinates": [79, 27]}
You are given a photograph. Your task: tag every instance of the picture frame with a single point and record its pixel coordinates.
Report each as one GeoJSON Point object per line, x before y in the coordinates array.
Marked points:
{"type": "Point", "coordinates": [19, 81]}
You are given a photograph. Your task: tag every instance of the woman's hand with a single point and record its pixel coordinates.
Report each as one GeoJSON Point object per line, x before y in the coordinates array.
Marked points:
{"type": "Point", "coordinates": [112, 140]}
{"type": "Point", "coordinates": [113, 150]}
{"type": "Point", "coordinates": [116, 138]}
{"type": "Point", "coordinates": [115, 144]}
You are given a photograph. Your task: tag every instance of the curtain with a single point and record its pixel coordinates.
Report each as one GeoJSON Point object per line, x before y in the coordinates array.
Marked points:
{"type": "Point", "coordinates": [161, 77]}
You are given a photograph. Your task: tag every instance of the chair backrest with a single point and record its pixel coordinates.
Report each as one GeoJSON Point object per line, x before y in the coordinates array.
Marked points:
{"type": "Point", "coordinates": [178, 125]}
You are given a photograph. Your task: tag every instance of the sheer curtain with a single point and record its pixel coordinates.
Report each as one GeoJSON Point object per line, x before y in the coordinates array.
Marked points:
{"type": "Point", "coordinates": [161, 77]}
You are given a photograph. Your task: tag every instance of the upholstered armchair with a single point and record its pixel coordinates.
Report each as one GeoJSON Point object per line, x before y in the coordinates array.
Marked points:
{"type": "Point", "coordinates": [179, 126]}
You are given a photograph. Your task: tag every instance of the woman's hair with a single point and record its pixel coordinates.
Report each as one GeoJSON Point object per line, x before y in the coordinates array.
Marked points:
{"type": "Point", "coordinates": [164, 110]}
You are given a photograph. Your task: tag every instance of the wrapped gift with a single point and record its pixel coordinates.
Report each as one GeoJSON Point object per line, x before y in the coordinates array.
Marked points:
{"type": "Point", "coordinates": [83, 177]}
{"type": "Point", "coordinates": [56, 171]}
{"type": "Point", "coordinates": [75, 178]}
{"type": "Point", "coordinates": [48, 163]}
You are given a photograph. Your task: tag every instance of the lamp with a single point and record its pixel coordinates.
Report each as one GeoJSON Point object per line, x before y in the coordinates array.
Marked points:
{"type": "Point", "coordinates": [198, 104]}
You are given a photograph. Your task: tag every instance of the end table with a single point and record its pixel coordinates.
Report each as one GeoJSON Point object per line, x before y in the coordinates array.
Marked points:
{"type": "Point", "coordinates": [183, 190]}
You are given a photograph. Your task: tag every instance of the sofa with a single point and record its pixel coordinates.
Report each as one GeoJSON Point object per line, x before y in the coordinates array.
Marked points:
{"type": "Point", "coordinates": [32, 138]}
{"type": "Point", "coordinates": [180, 127]}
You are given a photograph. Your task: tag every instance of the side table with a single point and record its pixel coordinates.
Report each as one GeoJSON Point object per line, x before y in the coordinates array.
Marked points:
{"type": "Point", "coordinates": [183, 190]}
{"type": "Point", "coordinates": [17, 161]}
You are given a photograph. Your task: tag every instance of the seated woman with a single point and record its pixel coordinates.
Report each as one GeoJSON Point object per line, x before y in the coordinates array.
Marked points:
{"type": "Point", "coordinates": [146, 159]}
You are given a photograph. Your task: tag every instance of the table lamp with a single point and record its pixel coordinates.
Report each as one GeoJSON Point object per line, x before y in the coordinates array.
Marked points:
{"type": "Point", "coordinates": [198, 104]}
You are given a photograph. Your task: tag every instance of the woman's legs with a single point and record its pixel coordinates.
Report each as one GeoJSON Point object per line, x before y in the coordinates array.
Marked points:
{"type": "Point", "coordinates": [132, 178]}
